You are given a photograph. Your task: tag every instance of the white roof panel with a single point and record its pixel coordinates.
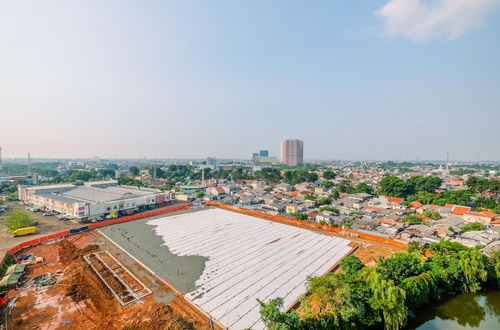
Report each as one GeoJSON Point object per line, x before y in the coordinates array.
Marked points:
{"type": "Point", "coordinates": [248, 258]}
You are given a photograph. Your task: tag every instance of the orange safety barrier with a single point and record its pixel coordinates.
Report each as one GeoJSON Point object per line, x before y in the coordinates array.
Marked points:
{"type": "Point", "coordinates": [308, 224]}
{"type": "Point", "coordinates": [50, 237]}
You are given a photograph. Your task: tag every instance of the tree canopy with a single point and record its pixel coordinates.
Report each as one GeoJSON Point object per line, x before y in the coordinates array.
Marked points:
{"type": "Point", "coordinates": [329, 175]}
{"type": "Point", "coordinates": [16, 219]}
{"type": "Point", "coordinates": [393, 186]}
{"type": "Point", "coordinates": [134, 170]}
{"type": "Point", "coordinates": [364, 296]}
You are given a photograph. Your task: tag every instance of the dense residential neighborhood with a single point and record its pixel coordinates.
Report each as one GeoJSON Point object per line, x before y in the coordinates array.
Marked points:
{"type": "Point", "coordinates": [422, 202]}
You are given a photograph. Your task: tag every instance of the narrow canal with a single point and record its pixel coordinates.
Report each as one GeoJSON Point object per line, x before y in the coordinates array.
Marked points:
{"type": "Point", "coordinates": [465, 311]}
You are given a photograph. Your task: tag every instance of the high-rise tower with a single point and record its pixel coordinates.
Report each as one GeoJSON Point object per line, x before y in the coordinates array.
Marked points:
{"type": "Point", "coordinates": [292, 152]}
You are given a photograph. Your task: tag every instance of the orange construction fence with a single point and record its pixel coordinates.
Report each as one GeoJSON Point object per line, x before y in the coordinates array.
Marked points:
{"type": "Point", "coordinates": [308, 224]}
{"type": "Point", "coordinates": [65, 233]}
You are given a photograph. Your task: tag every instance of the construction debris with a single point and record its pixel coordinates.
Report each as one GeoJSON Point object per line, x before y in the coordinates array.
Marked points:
{"type": "Point", "coordinates": [44, 281]}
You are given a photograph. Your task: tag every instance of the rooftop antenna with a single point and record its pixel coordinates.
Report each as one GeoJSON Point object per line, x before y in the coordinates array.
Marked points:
{"type": "Point", "coordinates": [447, 161]}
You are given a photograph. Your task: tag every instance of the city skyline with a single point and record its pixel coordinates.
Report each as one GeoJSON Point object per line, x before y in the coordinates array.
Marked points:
{"type": "Point", "coordinates": [377, 80]}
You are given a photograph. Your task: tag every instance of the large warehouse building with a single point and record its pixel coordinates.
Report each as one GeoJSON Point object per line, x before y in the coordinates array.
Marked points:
{"type": "Point", "coordinates": [92, 199]}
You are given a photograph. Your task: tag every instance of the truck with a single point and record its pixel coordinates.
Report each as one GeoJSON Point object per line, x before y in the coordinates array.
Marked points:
{"type": "Point", "coordinates": [24, 231]}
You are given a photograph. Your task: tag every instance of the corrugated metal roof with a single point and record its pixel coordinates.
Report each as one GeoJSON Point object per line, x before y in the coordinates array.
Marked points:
{"type": "Point", "coordinates": [60, 198]}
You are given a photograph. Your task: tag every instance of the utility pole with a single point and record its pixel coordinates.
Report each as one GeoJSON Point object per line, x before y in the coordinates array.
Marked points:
{"type": "Point", "coordinates": [447, 162]}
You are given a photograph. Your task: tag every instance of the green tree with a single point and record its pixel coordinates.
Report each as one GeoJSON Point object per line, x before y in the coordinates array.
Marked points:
{"type": "Point", "coordinates": [393, 186]}
{"type": "Point", "coordinates": [329, 175]}
{"type": "Point", "coordinates": [274, 319]}
{"type": "Point", "coordinates": [412, 219]}
{"type": "Point", "coordinates": [309, 197]}
{"type": "Point", "coordinates": [80, 176]}
{"type": "Point", "coordinates": [345, 187]}
{"type": "Point", "coordinates": [474, 226]}
{"type": "Point", "coordinates": [134, 170]}
{"type": "Point", "coordinates": [199, 194]}
{"type": "Point", "coordinates": [420, 289]}
{"type": "Point", "coordinates": [474, 269]}
{"type": "Point", "coordinates": [363, 188]}
{"type": "Point", "coordinates": [351, 265]}
{"type": "Point", "coordinates": [324, 201]}
{"type": "Point", "coordinates": [425, 184]}
{"type": "Point", "coordinates": [415, 247]}
{"type": "Point", "coordinates": [300, 216]}
{"type": "Point", "coordinates": [446, 248]}
{"type": "Point", "coordinates": [126, 181]}
{"type": "Point", "coordinates": [432, 214]}
{"type": "Point", "coordinates": [400, 266]}
{"type": "Point", "coordinates": [388, 298]}
{"type": "Point", "coordinates": [237, 174]}
{"type": "Point", "coordinates": [327, 184]}
{"type": "Point", "coordinates": [330, 209]}
{"type": "Point", "coordinates": [335, 194]}
{"type": "Point", "coordinates": [16, 219]}
{"type": "Point", "coordinates": [338, 301]}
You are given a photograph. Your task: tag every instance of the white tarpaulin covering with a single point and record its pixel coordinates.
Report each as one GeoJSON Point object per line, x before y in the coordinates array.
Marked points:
{"type": "Point", "coordinates": [248, 258]}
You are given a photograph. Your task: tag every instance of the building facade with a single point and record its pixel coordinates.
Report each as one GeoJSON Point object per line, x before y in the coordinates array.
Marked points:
{"type": "Point", "coordinates": [292, 152]}
{"type": "Point", "coordinates": [93, 199]}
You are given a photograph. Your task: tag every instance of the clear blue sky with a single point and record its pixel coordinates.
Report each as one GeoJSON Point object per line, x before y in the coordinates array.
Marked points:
{"type": "Point", "coordinates": [378, 79]}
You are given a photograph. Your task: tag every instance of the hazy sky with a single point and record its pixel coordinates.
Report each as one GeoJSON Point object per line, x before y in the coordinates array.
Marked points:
{"type": "Point", "coordinates": [378, 79]}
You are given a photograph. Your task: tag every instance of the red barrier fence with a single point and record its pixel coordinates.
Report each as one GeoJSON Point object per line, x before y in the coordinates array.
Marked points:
{"type": "Point", "coordinates": [308, 224]}
{"type": "Point", "coordinates": [65, 233]}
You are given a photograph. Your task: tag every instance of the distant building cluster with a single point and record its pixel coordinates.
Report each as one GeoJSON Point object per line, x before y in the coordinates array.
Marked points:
{"type": "Point", "coordinates": [262, 158]}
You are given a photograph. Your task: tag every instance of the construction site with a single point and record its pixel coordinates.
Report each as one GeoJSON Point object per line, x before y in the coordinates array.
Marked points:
{"type": "Point", "coordinates": [188, 269]}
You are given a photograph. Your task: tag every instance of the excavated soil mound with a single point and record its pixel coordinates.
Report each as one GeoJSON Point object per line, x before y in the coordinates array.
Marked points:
{"type": "Point", "coordinates": [158, 316]}
{"type": "Point", "coordinates": [67, 251]}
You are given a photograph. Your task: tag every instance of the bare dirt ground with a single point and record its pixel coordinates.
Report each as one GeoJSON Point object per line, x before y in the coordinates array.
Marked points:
{"type": "Point", "coordinates": [80, 300]}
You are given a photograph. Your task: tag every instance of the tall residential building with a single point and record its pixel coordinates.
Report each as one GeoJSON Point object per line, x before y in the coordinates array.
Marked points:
{"type": "Point", "coordinates": [263, 153]}
{"type": "Point", "coordinates": [212, 162]}
{"type": "Point", "coordinates": [292, 152]}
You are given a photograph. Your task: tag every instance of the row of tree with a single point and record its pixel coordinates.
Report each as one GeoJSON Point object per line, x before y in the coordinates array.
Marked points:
{"type": "Point", "coordinates": [423, 189]}
{"type": "Point", "coordinates": [364, 296]}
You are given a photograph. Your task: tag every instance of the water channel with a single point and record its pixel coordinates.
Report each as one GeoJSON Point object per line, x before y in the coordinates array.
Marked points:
{"type": "Point", "coordinates": [466, 311]}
